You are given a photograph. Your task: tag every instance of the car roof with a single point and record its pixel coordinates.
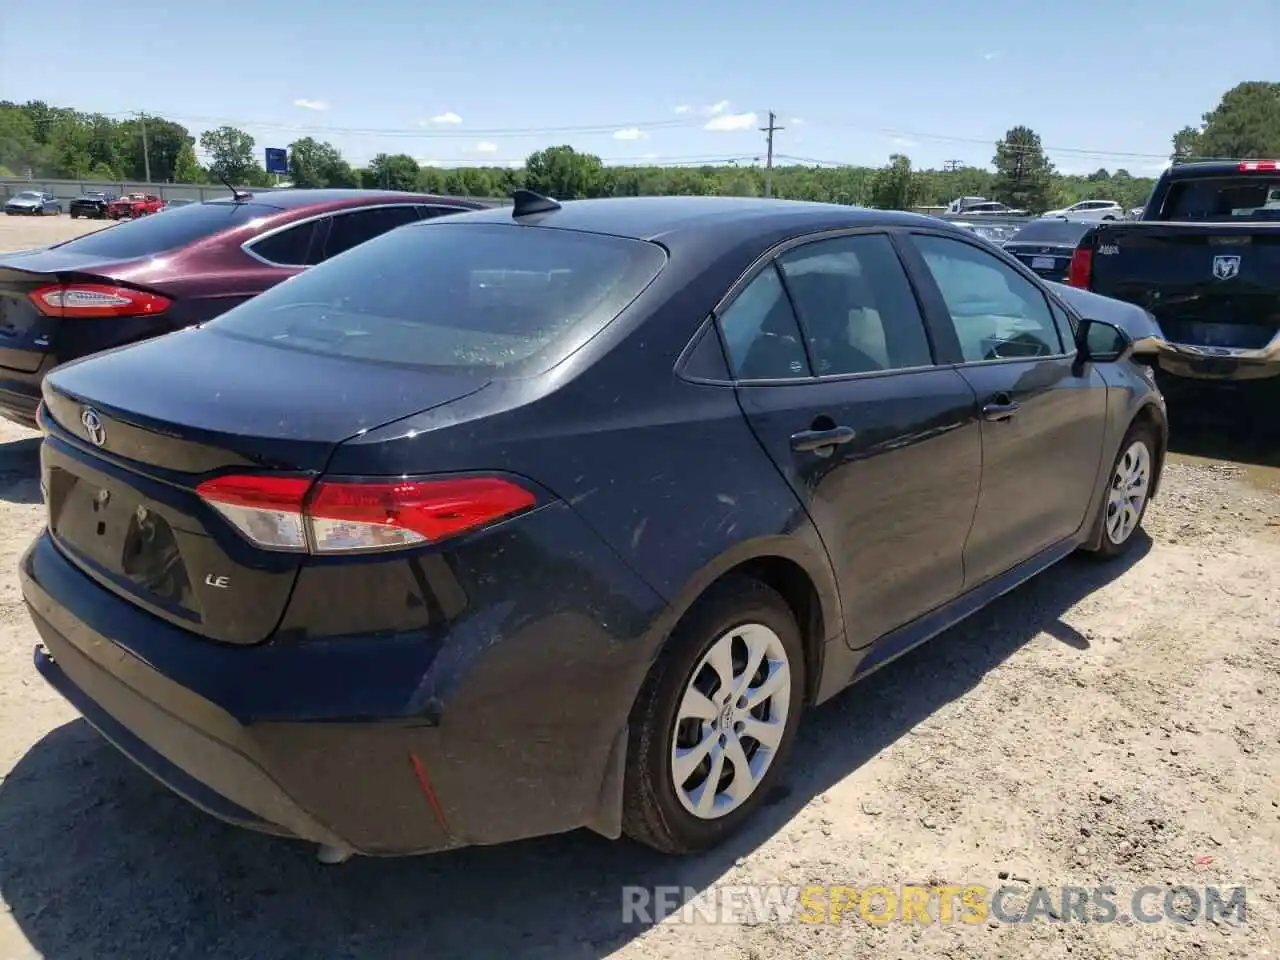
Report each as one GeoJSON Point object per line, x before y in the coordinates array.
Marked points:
{"type": "Point", "coordinates": [293, 198]}
{"type": "Point", "coordinates": [723, 219]}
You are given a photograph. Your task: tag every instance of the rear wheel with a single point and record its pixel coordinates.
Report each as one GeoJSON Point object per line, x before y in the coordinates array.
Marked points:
{"type": "Point", "coordinates": [715, 720]}
{"type": "Point", "coordinates": [1128, 492]}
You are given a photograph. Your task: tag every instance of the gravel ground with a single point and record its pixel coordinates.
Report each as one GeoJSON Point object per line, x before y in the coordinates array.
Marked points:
{"type": "Point", "coordinates": [1106, 724]}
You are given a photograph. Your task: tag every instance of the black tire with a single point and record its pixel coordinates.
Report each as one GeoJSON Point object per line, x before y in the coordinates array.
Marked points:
{"type": "Point", "coordinates": [1107, 548]}
{"type": "Point", "coordinates": [73, 215]}
{"type": "Point", "coordinates": [652, 813]}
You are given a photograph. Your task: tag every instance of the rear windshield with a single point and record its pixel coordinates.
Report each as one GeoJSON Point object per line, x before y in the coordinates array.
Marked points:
{"type": "Point", "coordinates": [1052, 231]}
{"type": "Point", "coordinates": [485, 297]}
{"type": "Point", "coordinates": [1224, 198]}
{"type": "Point", "coordinates": [151, 235]}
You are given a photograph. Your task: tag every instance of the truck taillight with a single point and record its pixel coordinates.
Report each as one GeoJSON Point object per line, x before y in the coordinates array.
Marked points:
{"type": "Point", "coordinates": [1255, 166]}
{"type": "Point", "coordinates": [1081, 269]}
{"type": "Point", "coordinates": [331, 516]}
{"type": "Point", "coordinates": [96, 300]}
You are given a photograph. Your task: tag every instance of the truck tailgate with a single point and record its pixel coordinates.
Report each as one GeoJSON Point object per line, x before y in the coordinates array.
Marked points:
{"type": "Point", "coordinates": [1211, 285]}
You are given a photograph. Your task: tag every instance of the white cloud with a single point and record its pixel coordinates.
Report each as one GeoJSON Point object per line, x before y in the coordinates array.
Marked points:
{"type": "Point", "coordinates": [484, 146]}
{"type": "Point", "coordinates": [731, 121]}
{"type": "Point", "coordinates": [427, 162]}
{"type": "Point", "coordinates": [306, 104]}
{"type": "Point", "coordinates": [796, 121]}
{"type": "Point", "coordinates": [648, 156]}
{"type": "Point", "coordinates": [683, 108]}
{"type": "Point", "coordinates": [995, 55]}
{"type": "Point", "coordinates": [716, 108]}
{"type": "Point", "coordinates": [902, 141]}
{"type": "Point", "coordinates": [630, 133]}
{"type": "Point", "coordinates": [447, 117]}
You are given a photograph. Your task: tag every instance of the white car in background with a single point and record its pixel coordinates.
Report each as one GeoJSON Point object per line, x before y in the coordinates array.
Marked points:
{"type": "Point", "coordinates": [1090, 210]}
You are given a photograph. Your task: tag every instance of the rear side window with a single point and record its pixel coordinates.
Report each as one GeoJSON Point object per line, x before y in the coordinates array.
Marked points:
{"type": "Point", "coordinates": [347, 230]}
{"type": "Point", "coordinates": [856, 306]}
{"type": "Point", "coordinates": [177, 228]}
{"type": "Point", "coordinates": [292, 247]}
{"type": "Point", "coordinates": [1052, 231]}
{"type": "Point", "coordinates": [497, 298]}
{"type": "Point", "coordinates": [1223, 198]}
{"type": "Point", "coordinates": [760, 332]}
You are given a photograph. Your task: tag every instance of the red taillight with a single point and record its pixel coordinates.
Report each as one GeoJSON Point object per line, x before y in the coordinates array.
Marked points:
{"type": "Point", "coordinates": [1081, 269]}
{"type": "Point", "coordinates": [96, 300]}
{"type": "Point", "coordinates": [1254, 166]}
{"type": "Point", "coordinates": [288, 513]}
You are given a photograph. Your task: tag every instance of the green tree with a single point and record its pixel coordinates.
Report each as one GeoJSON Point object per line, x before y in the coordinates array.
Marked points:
{"type": "Point", "coordinates": [315, 163]}
{"type": "Point", "coordinates": [564, 173]}
{"type": "Point", "coordinates": [396, 172]}
{"type": "Point", "coordinates": [1245, 125]}
{"type": "Point", "coordinates": [1186, 145]}
{"type": "Point", "coordinates": [895, 187]}
{"type": "Point", "coordinates": [230, 155]}
{"type": "Point", "coordinates": [186, 168]}
{"type": "Point", "coordinates": [1024, 175]}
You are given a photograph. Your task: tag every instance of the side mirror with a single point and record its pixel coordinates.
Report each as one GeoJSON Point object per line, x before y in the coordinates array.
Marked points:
{"type": "Point", "coordinates": [1100, 342]}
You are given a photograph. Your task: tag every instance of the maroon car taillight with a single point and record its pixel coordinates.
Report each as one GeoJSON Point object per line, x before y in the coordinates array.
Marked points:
{"type": "Point", "coordinates": [329, 516]}
{"type": "Point", "coordinates": [96, 300]}
{"type": "Point", "coordinates": [1081, 270]}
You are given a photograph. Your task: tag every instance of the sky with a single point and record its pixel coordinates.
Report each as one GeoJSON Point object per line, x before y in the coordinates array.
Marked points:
{"type": "Point", "coordinates": [1105, 84]}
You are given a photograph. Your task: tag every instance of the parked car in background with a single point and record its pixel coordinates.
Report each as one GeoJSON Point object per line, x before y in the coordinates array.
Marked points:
{"type": "Point", "coordinates": [435, 544]}
{"type": "Point", "coordinates": [1133, 213]}
{"type": "Point", "coordinates": [1204, 260]}
{"type": "Point", "coordinates": [112, 287]}
{"type": "Point", "coordinates": [35, 203]}
{"type": "Point", "coordinates": [134, 205]}
{"type": "Point", "coordinates": [996, 233]}
{"type": "Point", "coordinates": [178, 202]}
{"type": "Point", "coordinates": [1047, 245]}
{"type": "Point", "coordinates": [992, 208]}
{"type": "Point", "coordinates": [92, 203]}
{"type": "Point", "coordinates": [1090, 210]}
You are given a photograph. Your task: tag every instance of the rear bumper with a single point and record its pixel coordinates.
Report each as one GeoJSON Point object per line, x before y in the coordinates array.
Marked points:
{"type": "Point", "coordinates": [19, 400]}
{"type": "Point", "coordinates": [490, 756]}
{"type": "Point", "coordinates": [1193, 362]}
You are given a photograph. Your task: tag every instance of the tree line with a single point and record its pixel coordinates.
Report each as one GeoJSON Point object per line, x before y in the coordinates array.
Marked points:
{"type": "Point", "coordinates": [61, 142]}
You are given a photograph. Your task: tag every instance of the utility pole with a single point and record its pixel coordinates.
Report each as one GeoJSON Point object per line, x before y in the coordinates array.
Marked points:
{"type": "Point", "coordinates": [146, 152]}
{"type": "Point", "coordinates": [768, 132]}
{"type": "Point", "coordinates": [951, 166]}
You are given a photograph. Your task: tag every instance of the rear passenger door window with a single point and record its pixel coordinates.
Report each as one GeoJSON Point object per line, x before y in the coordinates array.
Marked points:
{"type": "Point", "coordinates": [347, 230]}
{"type": "Point", "coordinates": [761, 337]}
{"type": "Point", "coordinates": [997, 313]}
{"type": "Point", "coordinates": [856, 306]}
{"type": "Point", "coordinates": [291, 247]}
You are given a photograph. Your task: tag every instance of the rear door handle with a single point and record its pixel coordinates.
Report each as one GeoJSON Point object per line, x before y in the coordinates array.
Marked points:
{"type": "Point", "coordinates": [810, 440]}
{"type": "Point", "coordinates": [997, 412]}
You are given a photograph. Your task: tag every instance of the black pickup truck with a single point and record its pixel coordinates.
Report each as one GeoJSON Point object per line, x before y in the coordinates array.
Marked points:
{"type": "Point", "coordinates": [1204, 261]}
{"type": "Point", "coordinates": [92, 204]}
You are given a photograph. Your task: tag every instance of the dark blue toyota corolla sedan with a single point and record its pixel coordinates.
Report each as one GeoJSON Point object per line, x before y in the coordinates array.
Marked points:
{"type": "Point", "coordinates": [559, 515]}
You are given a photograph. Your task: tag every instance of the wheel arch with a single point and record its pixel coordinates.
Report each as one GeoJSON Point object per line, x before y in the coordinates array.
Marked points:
{"type": "Point", "coordinates": [798, 572]}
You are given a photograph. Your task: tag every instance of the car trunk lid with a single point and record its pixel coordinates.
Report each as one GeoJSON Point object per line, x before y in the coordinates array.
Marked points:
{"type": "Point", "coordinates": [133, 432]}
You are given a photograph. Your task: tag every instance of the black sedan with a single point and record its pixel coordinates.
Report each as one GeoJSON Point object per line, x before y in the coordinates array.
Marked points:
{"type": "Point", "coordinates": [1047, 246]}
{"type": "Point", "coordinates": [560, 515]}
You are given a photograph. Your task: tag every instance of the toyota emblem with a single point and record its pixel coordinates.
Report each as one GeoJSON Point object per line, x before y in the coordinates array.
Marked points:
{"type": "Point", "coordinates": [93, 427]}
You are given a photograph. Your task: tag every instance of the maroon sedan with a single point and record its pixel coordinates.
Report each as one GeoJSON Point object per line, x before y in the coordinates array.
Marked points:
{"type": "Point", "coordinates": [158, 274]}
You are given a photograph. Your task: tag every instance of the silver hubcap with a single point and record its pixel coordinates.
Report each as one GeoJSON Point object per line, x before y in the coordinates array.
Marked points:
{"type": "Point", "coordinates": [1128, 493]}
{"type": "Point", "coordinates": [730, 721]}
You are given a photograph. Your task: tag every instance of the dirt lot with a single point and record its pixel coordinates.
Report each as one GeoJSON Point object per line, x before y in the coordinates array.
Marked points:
{"type": "Point", "coordinates": [1101, 725]}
